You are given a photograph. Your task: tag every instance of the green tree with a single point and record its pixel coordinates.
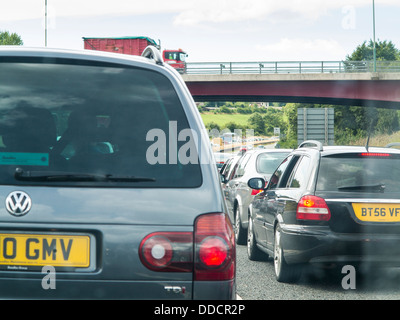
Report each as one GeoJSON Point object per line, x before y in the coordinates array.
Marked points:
{"type": "Point", "coordinates": [354, 122]}
{"type": "Point", "coordinates": [212, 125]}
{"type": "Point", "coordinates": [243, 110]}
{"type": "Point", "coordinates": [225, 109]}
{"type": "Point", "coordinates": [385, 51]}
{"type": "Point", "coordinates": [290, 117]}
{"type": "Point", "coordinates": [274, 118]}
{"type": "Point", "coordinates": [257, 123]}
{"type": "Point", "coordinates": [232, 126]}
{"type": "Point", "coordinates": [388, 121]}
{"type": "Point", "coordinates": [10, 39]}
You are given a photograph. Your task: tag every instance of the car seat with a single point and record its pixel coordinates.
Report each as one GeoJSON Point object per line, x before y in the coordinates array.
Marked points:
{"type": "Point", "coordinates": [28, 129]}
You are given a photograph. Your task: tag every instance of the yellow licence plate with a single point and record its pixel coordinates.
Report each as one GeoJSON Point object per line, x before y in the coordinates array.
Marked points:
{"type": "Point", "coordinates": [44, 249]}
{"type": "Point", "coordinates": [377, 212]}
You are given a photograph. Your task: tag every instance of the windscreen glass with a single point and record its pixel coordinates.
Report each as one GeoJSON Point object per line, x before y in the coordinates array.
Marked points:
{"type": "Point", "coordinates": [360, 173]}
{"type": "Point", "coordinates": [268, 162]}
{"type": "Point", "coordinates": [92, 125]}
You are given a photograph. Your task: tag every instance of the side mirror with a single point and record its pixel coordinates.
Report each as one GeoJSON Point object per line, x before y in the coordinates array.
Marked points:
{"type": "Point", "coordinates": [256, 183]}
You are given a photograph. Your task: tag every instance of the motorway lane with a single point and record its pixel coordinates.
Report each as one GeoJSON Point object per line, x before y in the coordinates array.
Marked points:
{"type": "Point", "coordinates": [256, 281]}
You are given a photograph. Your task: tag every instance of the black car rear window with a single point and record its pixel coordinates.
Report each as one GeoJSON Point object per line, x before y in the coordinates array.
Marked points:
{"type": "Point", "coordinates": [76, 124]}
{"type": "Point", "coordinates": [360, 173]}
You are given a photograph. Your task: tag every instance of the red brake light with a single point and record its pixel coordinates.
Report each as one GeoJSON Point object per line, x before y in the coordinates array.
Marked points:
{"type": "Point", "coordinates": [213, 252]}
{"type": "Point", "coordinates": [215, 248]}
{"type": "Point", "coordinates": [256, 191]}
{"type": "Point", "coordinates": [374, 154]}
{"type": "Point", "coordinates": [312, 208]}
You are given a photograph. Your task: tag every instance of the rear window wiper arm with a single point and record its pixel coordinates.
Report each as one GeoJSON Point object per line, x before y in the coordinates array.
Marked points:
{"type": "Point", "coordinates": [374, 187]}
{"type": "Point", "coordinates": [22, 175]}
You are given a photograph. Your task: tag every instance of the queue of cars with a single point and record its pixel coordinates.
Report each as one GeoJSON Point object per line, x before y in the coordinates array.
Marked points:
{"type": "Point", "coordinates": [89, 190]}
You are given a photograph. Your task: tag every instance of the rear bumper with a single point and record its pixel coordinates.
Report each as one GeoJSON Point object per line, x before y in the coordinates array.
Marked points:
{"type": "Point", "coordinates": [23, 288]}
{"type": "Point", "coordinates": [309, 244]}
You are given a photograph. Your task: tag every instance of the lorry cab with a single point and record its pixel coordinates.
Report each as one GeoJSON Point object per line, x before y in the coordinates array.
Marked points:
{"type": "Point", "coordinates": [176, 59]}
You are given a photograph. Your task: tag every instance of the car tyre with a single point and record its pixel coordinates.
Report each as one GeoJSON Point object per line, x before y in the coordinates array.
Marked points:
{"type": "Point", "coordinates": [240, 232]}
{"type": "Point", "coordinates": [283, 271]}
{"type": "Point", "coordinates": [253, 252]}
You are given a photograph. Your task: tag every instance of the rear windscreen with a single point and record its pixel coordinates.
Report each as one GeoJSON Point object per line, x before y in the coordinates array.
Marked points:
{"type": "Point", "coordinates": [92, 125]}
{"type": "Point", "coordinates": [378, 173]}
{"type": "Point", "coordinates": [268, 162]}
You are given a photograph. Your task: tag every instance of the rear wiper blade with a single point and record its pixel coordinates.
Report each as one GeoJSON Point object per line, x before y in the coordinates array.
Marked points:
{"type": "Point", "coordinates": [373, 187]}
{"type": "Point", "coordinates": [56, 176]}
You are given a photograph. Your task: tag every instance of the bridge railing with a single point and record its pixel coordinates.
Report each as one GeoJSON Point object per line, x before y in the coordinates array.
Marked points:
{"type": "Point", "coordinates": [282, 67]}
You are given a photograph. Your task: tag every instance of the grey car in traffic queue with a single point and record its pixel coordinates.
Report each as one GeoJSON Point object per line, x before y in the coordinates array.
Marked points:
{"type": "Point", "coordinates": [97, 183]}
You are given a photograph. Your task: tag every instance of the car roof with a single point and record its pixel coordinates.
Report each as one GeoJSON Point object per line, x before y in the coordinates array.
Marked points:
{"type": "Point", "coordinates": [258, 151]}
{"type": "Point", "coordinates": [330, 150]}
{"type": "Point", "coordinates": [89, 55]}
{"type": "Point", "coordinates": [352, 149]}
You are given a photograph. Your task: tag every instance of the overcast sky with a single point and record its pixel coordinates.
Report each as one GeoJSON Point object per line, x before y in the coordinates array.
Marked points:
{"type": "Point", "coordinates": [212, 30]}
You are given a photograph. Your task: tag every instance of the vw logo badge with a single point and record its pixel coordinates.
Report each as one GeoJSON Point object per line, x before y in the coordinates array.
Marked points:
{"type": "Point", "coordinates": [18, 203]}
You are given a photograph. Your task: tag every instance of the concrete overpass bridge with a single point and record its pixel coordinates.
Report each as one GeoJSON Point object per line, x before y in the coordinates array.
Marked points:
{"type": "Point", "coordinates": [338, 83]}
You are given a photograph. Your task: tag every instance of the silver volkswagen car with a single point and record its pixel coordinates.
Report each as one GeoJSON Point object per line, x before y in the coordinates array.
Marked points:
{"type": "Point", "coordinates": [109, 188]}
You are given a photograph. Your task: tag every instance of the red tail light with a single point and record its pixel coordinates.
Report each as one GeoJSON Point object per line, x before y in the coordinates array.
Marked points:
{"type": "Point", "coordinates": [257, 191]}
{"type": "Point", "coordinates": [212, 257]}
{"type": "Point", "coordinates": [214, 247]}
{"type": "Point", "coordinates": [312, 208]}
{"type": "Point", "coordinates": [167, 251]}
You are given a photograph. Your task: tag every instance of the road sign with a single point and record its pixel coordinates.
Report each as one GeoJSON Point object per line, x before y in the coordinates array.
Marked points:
{"type": "Point", "coordinates": [315, 124]}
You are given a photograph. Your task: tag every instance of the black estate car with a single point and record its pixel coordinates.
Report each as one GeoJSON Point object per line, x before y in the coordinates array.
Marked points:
{"type": "Point", "coordinates": [328, 205]}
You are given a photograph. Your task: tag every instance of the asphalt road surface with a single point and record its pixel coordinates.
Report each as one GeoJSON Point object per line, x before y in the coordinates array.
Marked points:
{"type": "Point", "coordinates": [256, 281]}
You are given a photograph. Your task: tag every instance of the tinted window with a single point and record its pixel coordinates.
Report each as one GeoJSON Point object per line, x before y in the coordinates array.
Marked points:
{"type": "Point", "coordinates": [302, 173]}
{"type": "Point", "coordinates": [280, 175]}
{"type": "Point", "coordinates": [228, 166]}
{"type": "Point", "coordinates": [357, 173]}
{"type": "Point", "coordinates": [241, 165]}
{"type": "Point", "coordinates": [103, 120]}
{"type": "Point", "coordinates": [232, 171]}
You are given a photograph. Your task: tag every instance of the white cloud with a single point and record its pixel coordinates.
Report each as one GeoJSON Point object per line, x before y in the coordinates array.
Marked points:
{"type": "Point", "coordinates": [214, 11]}
{"type": "Point", "coordinates": [188, 12]}
{"type": "Point", "coordinates": [34, 9]}
{"type": "Point", "coordinates": [303, 49]}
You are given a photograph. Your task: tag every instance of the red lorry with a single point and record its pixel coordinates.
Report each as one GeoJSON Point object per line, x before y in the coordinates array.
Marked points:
{"type": "Point", "coordinates": [135, 46]}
